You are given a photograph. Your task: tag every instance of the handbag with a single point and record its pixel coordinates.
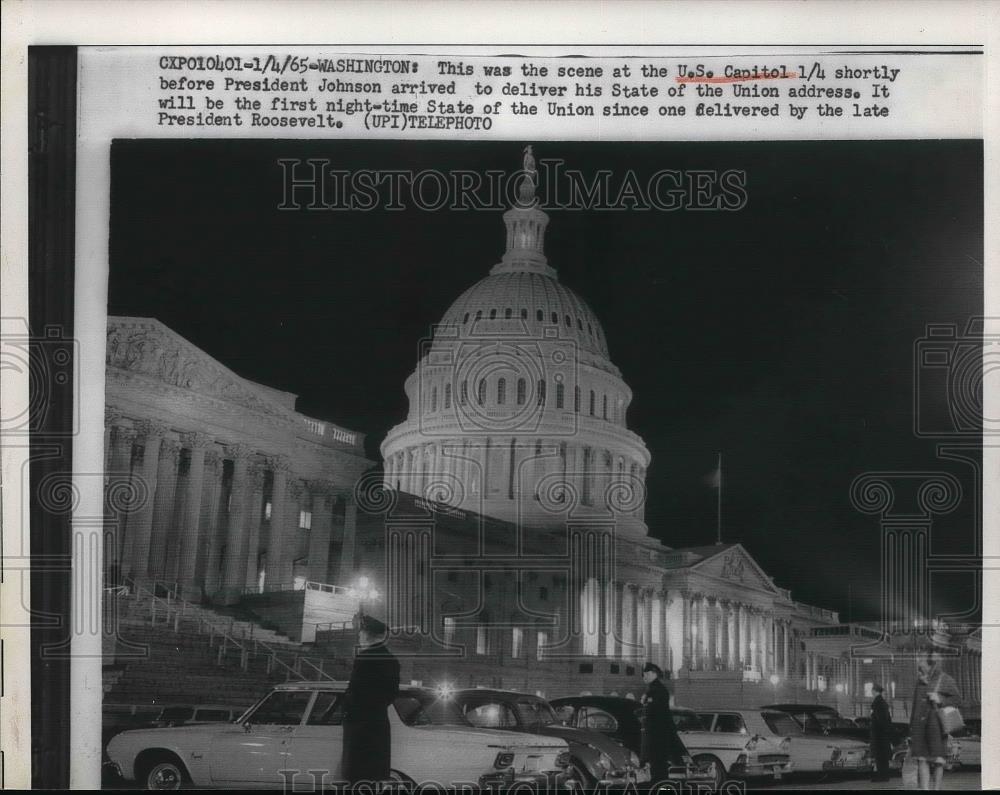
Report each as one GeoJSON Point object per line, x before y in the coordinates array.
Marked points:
{"type": "Point", "coordinates": [950, 717]}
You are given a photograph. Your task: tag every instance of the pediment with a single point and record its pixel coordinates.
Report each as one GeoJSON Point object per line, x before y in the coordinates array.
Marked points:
{"type": "Point", "coordinates": [736, 565]}
{"type": "Point", "coordinates": [147, 347]}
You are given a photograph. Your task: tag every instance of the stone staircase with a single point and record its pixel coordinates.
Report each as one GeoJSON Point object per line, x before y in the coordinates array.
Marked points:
{"type": "Point", "coordinates": [169, 651]}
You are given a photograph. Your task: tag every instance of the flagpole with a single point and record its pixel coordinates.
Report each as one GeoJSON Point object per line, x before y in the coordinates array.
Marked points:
{"type": "Point", "coordinates": [718, 509]}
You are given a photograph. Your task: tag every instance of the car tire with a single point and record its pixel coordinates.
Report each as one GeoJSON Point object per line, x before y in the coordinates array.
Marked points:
{"type": "Point", "coordinates": [578, 771]}
{"type": "Point", "coordinates": [165, 774]}
{"type": "Point", "coordinates": [720, 769]}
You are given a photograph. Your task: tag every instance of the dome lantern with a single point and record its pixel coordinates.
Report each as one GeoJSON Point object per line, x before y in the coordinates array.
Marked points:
{"type": "Point", "coordinates": [525, 224]}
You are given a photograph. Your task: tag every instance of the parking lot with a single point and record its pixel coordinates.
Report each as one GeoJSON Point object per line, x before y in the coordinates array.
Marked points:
{"type": "Point", "coordinates": [956, 780]}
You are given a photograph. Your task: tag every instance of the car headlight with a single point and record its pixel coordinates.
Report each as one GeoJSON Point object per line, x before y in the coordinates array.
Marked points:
{"type": "Point", "coordinates": [563, 759]}
{"type": "Point", "coordinates": [784, 745]}
{"type": "Point", "coordinates": [504, 760]}
{"type": "Point", "coordinates": [605, 761]}
{"type": "Point", "coordinates": [835, 754]}
{"type": "Point", "coordinates": [751, 744]}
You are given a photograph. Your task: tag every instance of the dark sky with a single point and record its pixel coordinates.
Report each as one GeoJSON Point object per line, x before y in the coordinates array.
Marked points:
{"type": "Point", "coordinates": [782, 334]}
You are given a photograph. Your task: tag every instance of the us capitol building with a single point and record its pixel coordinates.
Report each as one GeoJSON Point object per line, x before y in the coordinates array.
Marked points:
{"type": "Point", "coordinates": [505, 530]}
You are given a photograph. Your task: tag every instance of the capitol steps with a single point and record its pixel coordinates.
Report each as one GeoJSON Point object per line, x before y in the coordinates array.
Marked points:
{"type": "Point", "coordinates": [184, 653]}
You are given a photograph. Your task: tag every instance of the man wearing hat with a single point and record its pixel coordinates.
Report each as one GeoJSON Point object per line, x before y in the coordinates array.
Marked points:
{"type": "Point", "coordinates": [661, 745]}
{"type": "Point", "coordinates": [372, 688]}
{"type": "Point", "coordinates": [881, 733]}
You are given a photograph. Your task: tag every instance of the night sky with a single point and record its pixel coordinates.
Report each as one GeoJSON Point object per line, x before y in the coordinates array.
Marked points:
{"type": "Point", "coordinates": [781, 335]}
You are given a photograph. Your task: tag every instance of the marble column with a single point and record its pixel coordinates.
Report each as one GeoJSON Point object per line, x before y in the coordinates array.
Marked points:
{"type": "Point", "coordinates": [724, 636]}
{"type": "Point", "coordinates": [611, 634]}
{"type": "Point", "coordinates": [784, 652]}
{"type": "Point", "coordinates": [319, 533]}
{"type": "Point", "coordinates": [207, 566]}
{"type": "Point", "coordinates": [148, 434]}
{"type": "Point", "coordinates": [185, 559]}
{"type": "Point", "coordinates": [348, 548]}
{"type": "Point", "coordinates": [234, 574]}
{"type": "Point", "coordinates": [712, 624]}
{"type": "Point", "coordinates": [280, 548]}
{"type": "Point", "coordinates": [164, 528]}
{"type": "Point", "coordinates": [118, 470]}
{"type": "Point", "coordinates": [112, 418]}
{"type": "Point", "coordinates": [686, 623]}
{"type": "Point", "coordinates": [257, 473]}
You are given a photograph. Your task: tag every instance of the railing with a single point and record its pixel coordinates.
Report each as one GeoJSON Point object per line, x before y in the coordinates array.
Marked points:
{"type": "Point", "coordinates": [308, 585]}
{"type": "Point", "coordinates": [176, 610]}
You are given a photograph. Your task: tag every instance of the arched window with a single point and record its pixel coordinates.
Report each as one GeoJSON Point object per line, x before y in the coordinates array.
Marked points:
{"type": "Point", "coordinates": [555, 318]}
{"type": "Point", "coordinates": [541, 393]}
{"type": "Point", "coordinates": [447, 396]}
{"type": "Point", "coordinates": [466, 318]}
{"type": "Point", "coordinates": [588, 463]}
{"type": "Point", "coordinates": [508, 314]}
{"type": "Point", "coordinates": [539, 315]}
{"type": "Point", "coordinates": [592, 403]}
{"type": "Point", "coordinates": [501, 391]}
{"type": "Point", "coordinates": [576, 399]}
{"type": "Point", "coordinates": [463, 395]}
{"type": "Point", "coordinates": [524, 314]}
{"type": "Point", "coordinates": [569, 322]}
{"type": "Point", "coordinates": [559, 395]}
{"type": "Point", "coordinates": [522, 388]}
{"type": "Point", "coordinates": [605, 412]}
{"type": "Point", "coordinates": [579, 324]}
{"type": "Point", "coordinates": [434, 399]}
{"type": "Point", "coordinates": [479, 314]}
{"type": "Point", "coordinates": [481, 393]}
{"type": "Point", "coordinates": [493, 314]}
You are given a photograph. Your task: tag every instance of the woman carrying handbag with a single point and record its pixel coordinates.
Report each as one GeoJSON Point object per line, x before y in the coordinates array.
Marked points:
{"type": "Point", "coordinates": [932, 716]}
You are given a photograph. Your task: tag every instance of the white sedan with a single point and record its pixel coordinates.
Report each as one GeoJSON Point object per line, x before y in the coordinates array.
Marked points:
{"type": "Point", "coordinates": [729, 749]}
{"type": "Point", "coordinates": [292, 738]}
{"type": "Point", "coordinates": [809, 753]}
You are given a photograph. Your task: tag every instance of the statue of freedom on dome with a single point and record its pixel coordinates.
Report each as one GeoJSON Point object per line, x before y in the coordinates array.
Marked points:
{"type": "Point", "coordinates": [530, 179]}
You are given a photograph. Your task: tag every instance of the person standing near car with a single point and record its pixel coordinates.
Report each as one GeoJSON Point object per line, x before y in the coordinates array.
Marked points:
{"type": "Point", "coordinates": [661, 745]}
{"type": "Point", "coordinates": [373, 686]}
{"type": "Point", "coordinates": [928, 742]}
{"type": "Point", "coordinates": [880, 728]}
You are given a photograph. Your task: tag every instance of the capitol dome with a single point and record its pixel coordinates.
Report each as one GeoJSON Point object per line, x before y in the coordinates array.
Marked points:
{"type": "Point", "coordinates": [516, 410]}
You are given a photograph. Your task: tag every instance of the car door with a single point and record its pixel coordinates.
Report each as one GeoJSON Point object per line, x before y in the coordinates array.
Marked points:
{"type": "Point", "coordinates": [316, 747]}
{"type": "Point", "coordinates": [254, 752]}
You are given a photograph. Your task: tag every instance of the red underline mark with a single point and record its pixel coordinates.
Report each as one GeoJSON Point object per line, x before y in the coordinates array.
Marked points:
{"type": "Point", "coordinates": [789, 76]}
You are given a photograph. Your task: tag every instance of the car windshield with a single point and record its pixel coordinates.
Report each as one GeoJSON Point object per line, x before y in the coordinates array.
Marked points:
{"type": "Point", "coordinates": [782, 723]}
{"type": "Point", "coordinates": [426, 709]}
{"type": "Point", "coordinates": [534, 713]}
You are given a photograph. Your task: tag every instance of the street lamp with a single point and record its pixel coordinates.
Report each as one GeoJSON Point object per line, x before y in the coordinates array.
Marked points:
{"type": "Point", "coordinates": [775, 679]}
{"type": "Point", "coordinates": [363, 591]}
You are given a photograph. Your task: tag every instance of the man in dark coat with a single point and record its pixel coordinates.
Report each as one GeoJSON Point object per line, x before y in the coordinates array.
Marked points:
{"type": "Point", "coordinates": [881, 733]}
{"type": "Point", "coordinates": [373, 686]}
{"type": "Point", "coordinates": [661, 745]}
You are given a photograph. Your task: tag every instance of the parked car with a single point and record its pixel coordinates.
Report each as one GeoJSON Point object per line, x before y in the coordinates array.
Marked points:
{"type": "Point", "coordinates": [297, 727]}
{"type": "Point", "coordinates": [970, 743]}
{"type": "Point", "coordinates": [819, 719]}
{"type": "Point", "coordinates": [809, 753]}
{"type": "Point", "coordinates": [619, 719]}
{"type": "Point", "coordinates": [903, 748]}
{"type": "Point", "coordinates": [593, 756]}
{"type": "Point", "coordinates": [186, 714]}
{"type": "Point", "coordinates": [736, 754]}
